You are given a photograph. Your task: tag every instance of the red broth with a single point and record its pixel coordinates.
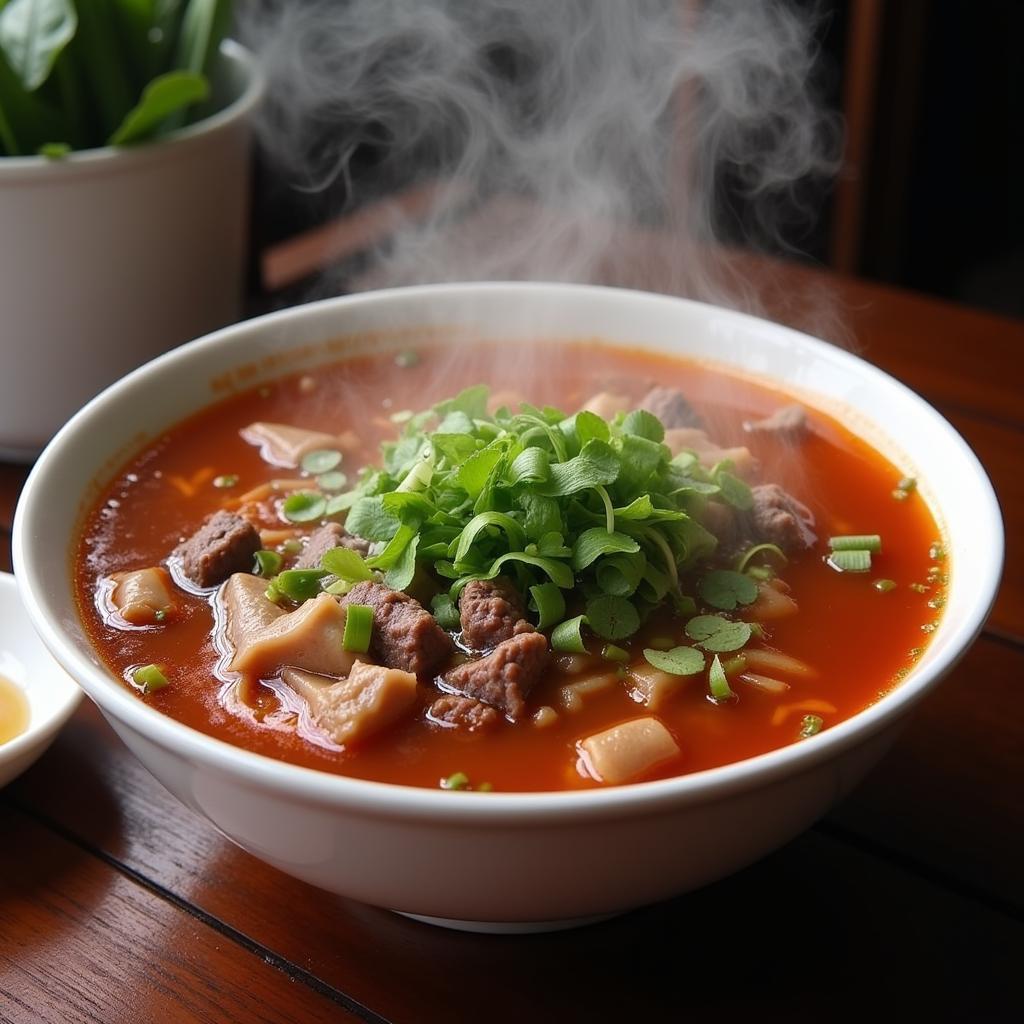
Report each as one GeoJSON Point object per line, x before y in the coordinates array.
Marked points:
{"type": "Point", "coordinates": [859, 640]}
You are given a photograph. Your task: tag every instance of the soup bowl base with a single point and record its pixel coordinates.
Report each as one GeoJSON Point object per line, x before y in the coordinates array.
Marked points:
{"type": "Point", "coordinates": [508, 927]}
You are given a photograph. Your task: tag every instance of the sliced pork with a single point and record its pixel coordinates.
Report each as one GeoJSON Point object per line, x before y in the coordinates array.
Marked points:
{"type": "Point", "coordinates": [350, 710]}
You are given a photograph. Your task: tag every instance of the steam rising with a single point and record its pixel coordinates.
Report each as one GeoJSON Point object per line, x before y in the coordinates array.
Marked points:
{"type": "Point", "coordinates": [558, 132]}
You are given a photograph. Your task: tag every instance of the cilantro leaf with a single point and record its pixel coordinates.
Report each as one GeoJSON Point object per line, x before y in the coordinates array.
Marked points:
{"type": "Point", "coordinates": [714, 633]}
{"type": "Point", "coordinates": [680, 661]}
{"type": "Point", "coordinates": [725, 589]}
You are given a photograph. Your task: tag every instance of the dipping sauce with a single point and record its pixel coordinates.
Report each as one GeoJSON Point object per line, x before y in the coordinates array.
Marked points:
{"type": "Point", "coordinates": [14, 713]}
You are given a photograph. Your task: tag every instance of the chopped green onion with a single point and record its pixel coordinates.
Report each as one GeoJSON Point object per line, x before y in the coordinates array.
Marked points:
{"type": "Point", "coordinates": [160, 614]}
{"type": "Point", "coordinates": [810, 725]}
{"type": "Point", "coordinates": [225, 480]}
{"type": "Point", "coordinates": [303, 507]}
{"type": "Point", "coordinates": [884, 586]}
{"type": "Point", "coordinates": [484, 787]}
{"type": "Point", "coordinates": [763, 573]}
{"type": "Point", "coordinates": [457, 780]}
{"type": "Point", "coordinates": [323, 460]}
{"type": "Point", "coordinates": [547, 600]}
{"type": "Point", "coordinates": [358, 627]}
{"type": "Point", "coordinates": [268, 563]}
{"type": "Point", "coordinates": [298, 585]}
{"type": "Point", "coordinates": [856, 542]}
{"type": "Point", "coordinates": [610, 652]}
{"type": "Point", "coordinates": [759, 549]}
{"type": "Point", "coordinates": [149, 678]}
{"type": "Point", "coordinates": [292, 546]}
{"type": "Point", "coordinates": [407, 358]}
{"type": "Point", "coordinates": [907, 483]}
{"type": "Point", "coordinates": [718, 683]}
{"type": "Point", "coordinates": [568, 636]}
{"type": "Point", "coordinates": [936, 551]}
{"type": "Point", "coordinates": [850, 561]}
{"type": "Point", "coordinates": [919, 588]}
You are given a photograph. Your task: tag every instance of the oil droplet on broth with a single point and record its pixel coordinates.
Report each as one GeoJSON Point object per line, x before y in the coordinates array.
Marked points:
{"type": "Point", "coordinates": [13, 710]}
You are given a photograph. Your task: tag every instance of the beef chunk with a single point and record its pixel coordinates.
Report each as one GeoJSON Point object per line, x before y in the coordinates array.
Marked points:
{"type": "Point", "coordinates": [504, 677]}
{"type": "Point", "coordinates": [725, 523]}
{"type": "Point", "coordinates": [779, 518]}
{"type": "Point", "coordinates": [491, 611]}
{"type": "Point", "coordinates": [788, 421]}
{"type": "Point", "coordinates": [405, 634]}
{"type": "Point", "coordinates": [324, 539]}
{"type": "Point", "coordinates": [224, 544]}
{"type": "Point", "coordinates": [463, 713]}
{"type": "Point", "coordinates": [671, 407]}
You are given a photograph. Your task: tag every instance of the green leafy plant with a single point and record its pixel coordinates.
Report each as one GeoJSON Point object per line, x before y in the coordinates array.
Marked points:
{"type": "Point", "coordinates": [77, 74]}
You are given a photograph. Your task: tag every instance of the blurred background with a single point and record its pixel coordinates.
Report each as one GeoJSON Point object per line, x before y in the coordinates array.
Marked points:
{"type": "Point", "coordinates": [924, 196]}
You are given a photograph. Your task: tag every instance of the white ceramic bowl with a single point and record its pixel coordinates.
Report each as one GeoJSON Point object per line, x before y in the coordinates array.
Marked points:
{"type": "Point", "coordinates": [550, 859]}
{"type": "Point", "coordinates": [50, 693]}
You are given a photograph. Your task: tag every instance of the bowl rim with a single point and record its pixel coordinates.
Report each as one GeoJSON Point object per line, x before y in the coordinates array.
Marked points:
{"type": "Point", "coordinates": [380, 799]}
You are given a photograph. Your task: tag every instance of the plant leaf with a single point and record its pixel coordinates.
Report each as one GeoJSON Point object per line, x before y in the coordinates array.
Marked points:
{"type": "Point", "coordinates": [680, 661]}
{"type": "Point", "coordinates": [166, 95]}
{"type": "Point", "coordinates": [725, 589]}
{"type": "Point", "coordinates": [203, 27]}
{"type": "Point", "coordinates": [33, 33]}
{"type": "Point", "coordinates": [714, 633]}
{"type": "Point", "coordinates": [613, 618]}
{"type": "Point", "coordinates": [597, 541]}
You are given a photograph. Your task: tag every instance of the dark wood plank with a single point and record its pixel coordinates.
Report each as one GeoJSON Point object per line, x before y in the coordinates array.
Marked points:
{"type": "Point", "coordinates": [948, 795]}
{"type": "Point", "coordinates": [1001, 451]}
{"type": "Point", "coordinates": [11, 480]}
{"type": "Point", "coordinates": [955, 356]}
{"type": "Point", "coordinates": [858, 911]}
{"type": "Point", "coordinates": [80, 942]}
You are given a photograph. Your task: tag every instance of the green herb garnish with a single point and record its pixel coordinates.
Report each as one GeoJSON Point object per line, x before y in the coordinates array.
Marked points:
{"type": "Point", "coordinates": [715, 633]}
{"type": "Point", "coordinates": [810, 725]}
{"type": "Point", "coordinates": [556, 503]}
{"type": "Point", "coordinates": [726, 589]}
{"type": "Point", "coordinates": [323, 460]}
{"type": "Point", "coordinates": [149, 678]}
{"type": "Point", "coordinates": [680, 661]}
{"type": "Point", "coordinates": [358, 627]}
{"type": "Point", "coordinates": [856, 542]}
{"type": "Point", "coordinates": [718, 682]}
{"type": "Point", "coordinates": [296, 585]}
{"type": "Point", "coordinates": [268, 563]}
{"type": "Point", "coordinates": [303, 507]}
{"type": "Point", "coordinates": [225, 480]}
{"type": "Point", "coordinates": [850, 561]}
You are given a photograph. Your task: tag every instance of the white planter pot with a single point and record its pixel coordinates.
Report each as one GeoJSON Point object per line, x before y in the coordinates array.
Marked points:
{"type": "Point", "coordinates": [111, 256]}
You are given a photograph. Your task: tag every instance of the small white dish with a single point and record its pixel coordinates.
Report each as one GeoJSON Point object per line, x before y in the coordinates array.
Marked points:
{"type": "Point", "coordinates": [51, 693]}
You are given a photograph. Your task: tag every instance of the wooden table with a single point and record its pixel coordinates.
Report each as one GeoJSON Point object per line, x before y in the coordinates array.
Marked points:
{"type": "Point", "coordinates": [118, 904]}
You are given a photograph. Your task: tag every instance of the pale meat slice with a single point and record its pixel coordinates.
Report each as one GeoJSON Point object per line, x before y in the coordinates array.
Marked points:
{"type": "Point", "coordinates": [284, 445]}
{"type": "Point", "coordinates": [309, 638]}
{"type": "Point", "coordinates": [683, 439]}
{"type": "Point", "coordinates": [246, 609]}
{"type": "Point", "coordinates": [143, 597]}
{"type": "Point", "coordinates": [628, 751]}
{"type": "Point", "coordinates": [353, 709]}
{"type": "Point", "coordinates": [788, 421]}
